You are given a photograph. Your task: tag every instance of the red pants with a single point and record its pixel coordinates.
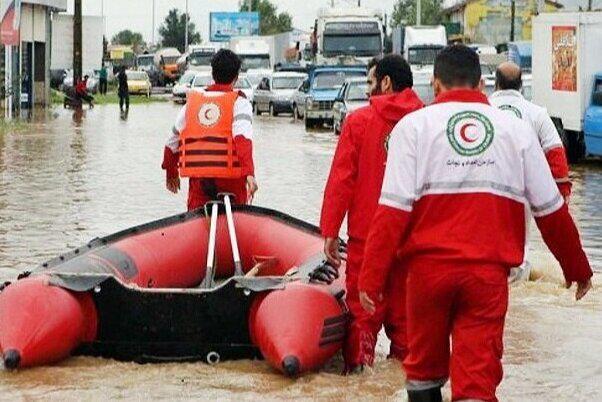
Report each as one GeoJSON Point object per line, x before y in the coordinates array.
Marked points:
{"type": "Point", "coordinates": [363, 328]}
{"type": "Point", "coordinates": [469, 303]}
{"type": "Point", "coordinates": [197, 197]}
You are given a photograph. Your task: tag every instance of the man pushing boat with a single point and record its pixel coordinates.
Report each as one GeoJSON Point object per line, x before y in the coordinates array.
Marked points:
{"type": "Point", "coordinates": [353, 188]}
{"type": "Point", "coordinates": [212, 139]}
{"type": "Point", "coordinates": [458, 178]}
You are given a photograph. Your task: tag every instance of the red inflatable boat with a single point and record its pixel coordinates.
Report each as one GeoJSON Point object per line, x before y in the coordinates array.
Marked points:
{"type": "Point", "coordinates": [147, 294]}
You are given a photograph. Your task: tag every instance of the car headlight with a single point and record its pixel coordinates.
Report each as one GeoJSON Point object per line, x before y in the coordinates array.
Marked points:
{"type": "Point", "coordinates": [310, 103]}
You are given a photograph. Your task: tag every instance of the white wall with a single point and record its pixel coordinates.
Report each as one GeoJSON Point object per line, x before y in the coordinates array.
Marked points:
{"type": "Point", "coordinates": [33, 23]}
{"type": "Point", "coordinates": [62, 42]}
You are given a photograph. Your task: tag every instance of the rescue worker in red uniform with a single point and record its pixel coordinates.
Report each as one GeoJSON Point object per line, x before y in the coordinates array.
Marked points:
{"type": "Point", "coordinates": [352, 189]}
{"type": "Point", "coordinates": [211, 142]}
{"type": "Point", "coordinates": [459, 175]}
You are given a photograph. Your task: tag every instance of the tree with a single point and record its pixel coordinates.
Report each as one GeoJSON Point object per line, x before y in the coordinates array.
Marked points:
{"type": "Point", "coordinates": [404, 12]}
{"type": "Point", "coordinates": [173, 30]}
{"type": "Point", "coordinates": [270, 22]}
{"type": "Point", "coordinates": [129, 38]}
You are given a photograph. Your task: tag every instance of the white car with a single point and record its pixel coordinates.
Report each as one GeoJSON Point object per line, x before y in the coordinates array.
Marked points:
{"type": "Point", "coordinates": [244, 85]}
{"type": "Point", "coordinates": [182, 87]}
{"type": "Point", "coordinates": [352, 96]}
{"type": "Point", "coordinates": [202, 79]}
{"type": "Point", "coordinates": [274, 94]}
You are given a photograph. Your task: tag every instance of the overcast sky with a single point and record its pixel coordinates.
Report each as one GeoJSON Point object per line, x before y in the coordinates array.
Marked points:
{"type": "Point", "coordinates": [137, 14]}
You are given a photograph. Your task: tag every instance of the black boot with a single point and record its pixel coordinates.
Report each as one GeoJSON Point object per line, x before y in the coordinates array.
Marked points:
{"type": "Point", "coordinates": [425, 395]}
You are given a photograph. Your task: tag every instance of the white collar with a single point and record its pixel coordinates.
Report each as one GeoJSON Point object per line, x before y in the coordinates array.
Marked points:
{"type": "Point", "coordinates": [506, 92]}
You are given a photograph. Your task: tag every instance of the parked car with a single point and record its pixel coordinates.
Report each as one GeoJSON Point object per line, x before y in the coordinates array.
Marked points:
{"type": "Point", "coordinates": [92, 84]}
{"type": "Point", "coordinates": [244, 85]}
{"type": "Point", "coordinates": [274, 94]}
{"type": "Point", "coordinates": [352, 96]}
{"type": "Point", "coordinates": [315, 97]}
{"type": "Point", "coordinates": [182, 87]}
{"type": "Point", "coordinates": [202, 80]}
{"type": "Point", "coordinates": [138, 82]}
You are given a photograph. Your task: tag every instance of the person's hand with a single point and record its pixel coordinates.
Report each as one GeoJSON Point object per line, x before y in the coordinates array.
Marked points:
{"type": "Point", "coordinates": [331, 249]}
{"type": "Point", "coordinates": [173, 184]}
{"type": "Point", "coordinates": [252, 187]}
{"type": "Point", "coordinates": [567, 199]}
{"type": "Point", "coordinates": [582, 288]}
{"type": "Point", "coordinates": [367, 303]}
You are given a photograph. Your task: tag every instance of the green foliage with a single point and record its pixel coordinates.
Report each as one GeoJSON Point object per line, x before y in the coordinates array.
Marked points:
{"type": "Point", "coordinates": [404, 12]}
{"type": "Point", "coordinates": [173, 31]}
{"type": "Point", "coordinates": [270, 21]}
{"type": "Point", "coordinates": [129, 38]}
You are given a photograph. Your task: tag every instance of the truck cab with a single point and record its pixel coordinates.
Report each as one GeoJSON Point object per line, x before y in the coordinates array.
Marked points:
{"type": "Point", "coordinates": [592, 124]}
{"type": "Point", "coordinates": [422, 44]}
{"type": "Point", "coordinates": [320, 89]}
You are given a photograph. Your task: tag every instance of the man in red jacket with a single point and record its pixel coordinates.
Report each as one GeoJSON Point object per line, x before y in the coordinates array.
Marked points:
{"type": "Point", "coordinates": [353, 188]}
{"type": "Point", "coordinates": [225, 69]}
{"type": "Point", "coordinates": [459, 175]}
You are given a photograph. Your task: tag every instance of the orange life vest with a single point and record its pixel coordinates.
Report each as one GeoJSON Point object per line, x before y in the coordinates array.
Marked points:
{"type": "Point", "coordinates": [206, 143]}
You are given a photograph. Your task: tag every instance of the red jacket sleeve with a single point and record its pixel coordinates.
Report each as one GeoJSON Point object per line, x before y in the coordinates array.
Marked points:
{"type": "Point", "coordinates": [559, 167]}
{"type": "Point", "coordinates": [384, 240]}
{"type": "Point", "coordinates": [562, 238]}
{"type": "Point", "coordinates": [170, 163]}
{"type": "Point", "coordinates": [244, 149]}
{"type": "Point", "coordinates": [341, 183]}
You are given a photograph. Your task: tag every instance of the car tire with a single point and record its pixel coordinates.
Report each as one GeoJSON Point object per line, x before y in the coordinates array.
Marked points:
{"type": "Point", "coordinates": [256, 109]}
{"type": "Point", "coordinates": [273, 113]}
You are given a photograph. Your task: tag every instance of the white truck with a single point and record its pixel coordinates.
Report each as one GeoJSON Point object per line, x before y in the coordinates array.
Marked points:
{"type": "Point", "coordinates": [254, 52]}
{"type": "Point", "coordinates": [353, 32]}
{"type": "Point", "coordinates": [567, 77]}
{"type": "Point", "coordinates": [421, 44]}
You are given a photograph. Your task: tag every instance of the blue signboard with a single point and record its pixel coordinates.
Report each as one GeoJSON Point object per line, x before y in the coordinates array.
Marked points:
{"type": "Point", "coordinates": [224, 25]}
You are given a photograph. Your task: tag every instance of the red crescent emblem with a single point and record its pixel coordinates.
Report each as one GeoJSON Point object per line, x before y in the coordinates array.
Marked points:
{"type": "Point", "coordinates": [207, 113]}
{"type": "Point", "coordinates": [463, 132]}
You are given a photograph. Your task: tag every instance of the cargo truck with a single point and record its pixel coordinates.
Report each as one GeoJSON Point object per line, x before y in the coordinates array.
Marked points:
{"type": "Point", "coordinates": [353, 32]}
{"type": "Point", "coordinates": [567, 77]}
{"type": "Point", "coordinates": [421, 44]}
{"type": "Point", "coordinates": [166, 61]}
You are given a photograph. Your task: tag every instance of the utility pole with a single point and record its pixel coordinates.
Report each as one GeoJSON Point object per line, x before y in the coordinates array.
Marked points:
{"type": "Point", "coordinates": [153, 32]}
{"type": "Point", "coordinates": [418, 12]}
{"type": "Point", "coordinates": [77, 42]}
{"type": "Point", "coordinates": [512, 14]}
{"type": "Point", "coordinates": [250, 2]}
{"type": "Point", "coordinates": [186, 29]}
{"type": "Point", "coordinates": [589, 5]}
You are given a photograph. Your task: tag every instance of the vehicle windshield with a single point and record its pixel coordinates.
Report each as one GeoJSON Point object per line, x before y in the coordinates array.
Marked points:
{"type": "Point", "coordinates": [242, 83]}
{"type": "Point", "coordinates": [201, 81]}
{"type": "Point", "coordinates": [357, 45]}
{"type": "Point", "coordinates": [334, 79]}
{"type": "Point", "coordinates": [423, 55]}
{"type": "Point", "coordinates": [145, 61]}
{"type": "Point", "coordinates": [286, 82]}
{"type": "Point", "coordinates": [424, 91]}
{"type": "Point", "coordinates": [200, 59]}
{"type": "Point", "coordinates": [186, 78]}
{"type": "Point", "coordinates": [254, 79]}
{"type": "Point", "coordinates": [136, 75]}
{"type": "Point", "coordinates": [256, 61]}
{"type": "Point", "coordinates": [357, 91]}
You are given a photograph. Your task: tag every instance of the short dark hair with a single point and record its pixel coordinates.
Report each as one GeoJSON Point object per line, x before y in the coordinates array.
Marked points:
{"type": "Point", "coordinates": [502, 81]}
{"type": "Point", "coordinates": [458, 66]}
{"type": "Point", "coordinates": [398, 70]}
{"type": "Point", "coordinates": [225, 66]}
{"type": "Point", "coordinates": [373, 62]}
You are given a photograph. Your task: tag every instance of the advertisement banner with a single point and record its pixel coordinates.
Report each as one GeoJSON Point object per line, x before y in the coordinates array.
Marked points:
{"type": "Point", "coordinates": [224, 25]}
{"type": "Point", "coordinates": [564, 58]}
{"type": "Point", "coordinates": [9, 27]}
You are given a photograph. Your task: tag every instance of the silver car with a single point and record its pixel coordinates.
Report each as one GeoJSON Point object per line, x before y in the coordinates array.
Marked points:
{"type": "Point", "coordinates": [274, 94]}
{"type": "Point", "coordinates": [299, 98]}
{"type": "Point", "coordinates": [180, 89]}
{"type": "Point", "coordinates": [352, 95]}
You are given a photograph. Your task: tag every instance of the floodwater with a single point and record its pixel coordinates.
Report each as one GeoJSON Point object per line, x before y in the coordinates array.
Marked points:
{"type": "Point", "coordinates": [67, 179]}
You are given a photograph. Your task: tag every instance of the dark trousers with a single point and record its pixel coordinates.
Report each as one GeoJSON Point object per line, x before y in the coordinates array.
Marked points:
{"type": "Point", "coordinates": [102, 86]}
{"type": "Point", "coordinates": [124, 98]}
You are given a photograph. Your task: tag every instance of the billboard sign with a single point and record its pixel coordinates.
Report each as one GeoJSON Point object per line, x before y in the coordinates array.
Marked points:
{"type": "Point", "coordinates": [564, 58]}
{"type": "Point", "coordinates": [224, 25]}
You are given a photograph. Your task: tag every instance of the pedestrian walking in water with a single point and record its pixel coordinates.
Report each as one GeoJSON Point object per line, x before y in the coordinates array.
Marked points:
{"type": "Point", "coordinates": [212, 139]}
{"type": "Point", "coordinates": [123, 90]}
{"type": "Point", "coordinates": [102, 80]}
{"type": "Point", "coordinates": [508, 97]}
{"type": "Point", "coordinates": [353, 189]}
{"type": "Point", "coordinates": [458, 177]}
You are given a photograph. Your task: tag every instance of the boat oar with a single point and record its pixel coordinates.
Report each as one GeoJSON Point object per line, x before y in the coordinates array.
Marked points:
{"type": "Point", "coordinates": [210, 270]}
{"type": "Point", "coordinates": [232, 232]}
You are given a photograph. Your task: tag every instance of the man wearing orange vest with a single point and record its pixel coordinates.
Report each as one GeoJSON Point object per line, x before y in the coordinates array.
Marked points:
{"type": "Point", "coordinates": [211, 143]}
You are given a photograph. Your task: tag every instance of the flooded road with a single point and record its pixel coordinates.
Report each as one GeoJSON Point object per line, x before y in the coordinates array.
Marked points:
{"type": "Point", "coordinates": [64, 181]}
